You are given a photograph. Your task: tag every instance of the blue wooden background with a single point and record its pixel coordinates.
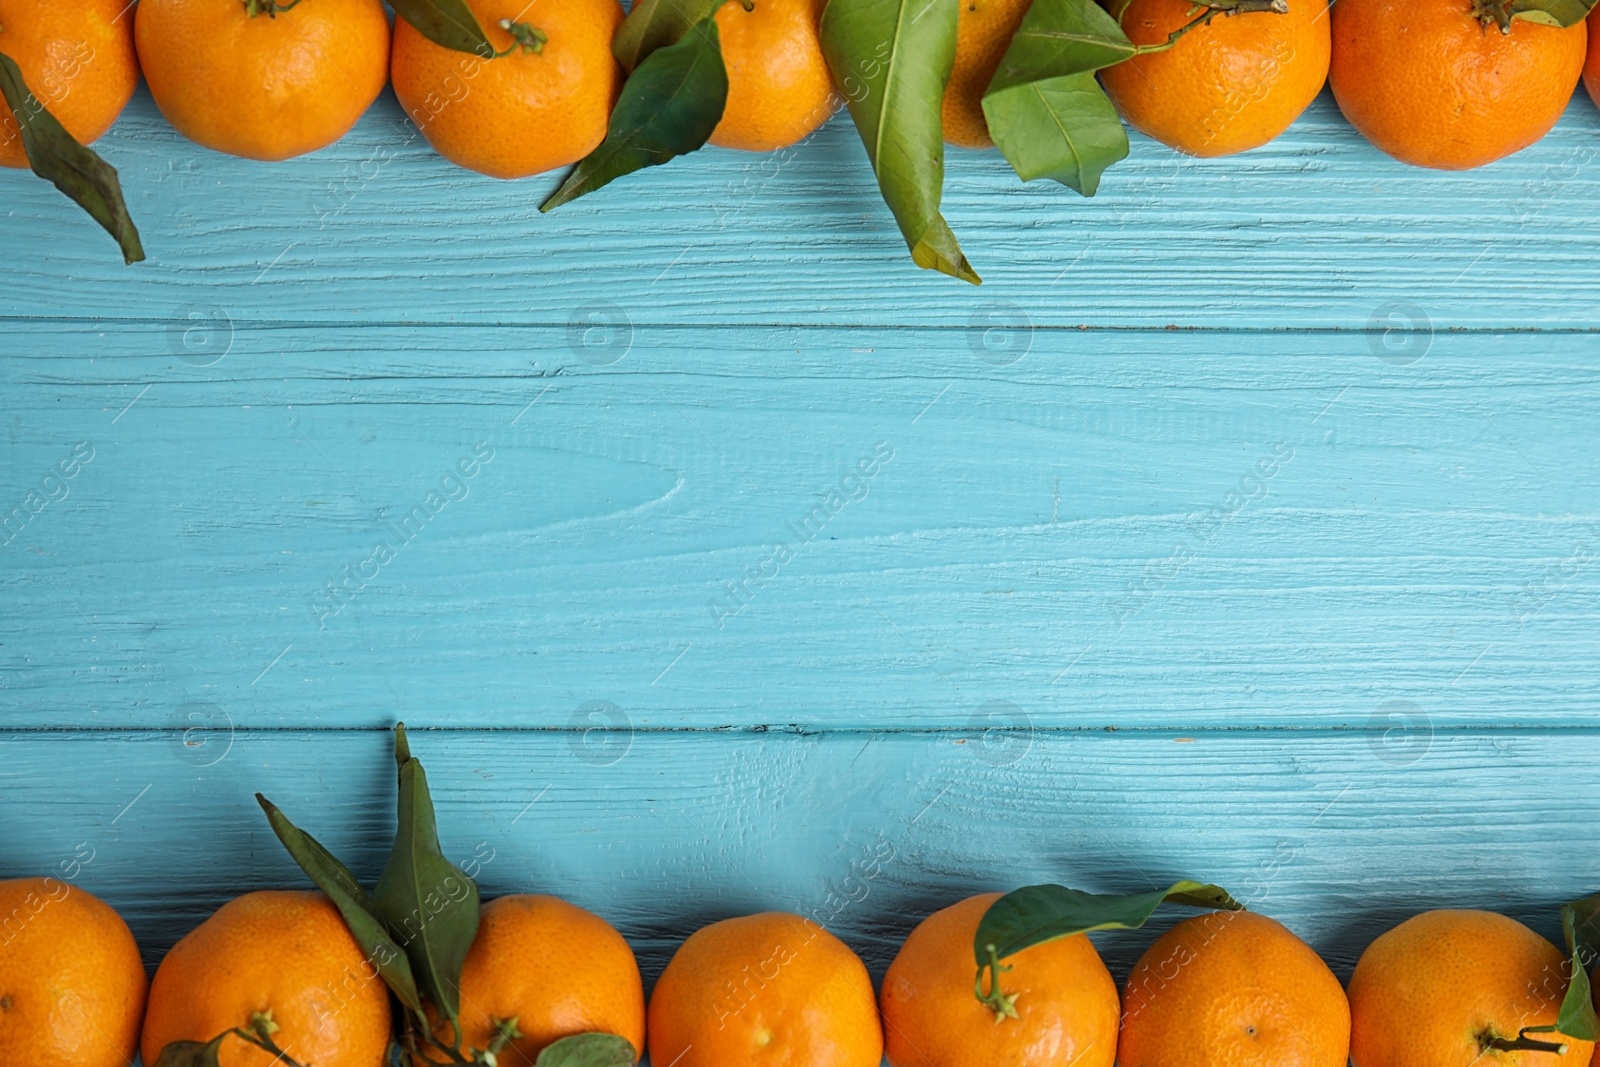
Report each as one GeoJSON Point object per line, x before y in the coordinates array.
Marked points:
{"type": "Point", "coordinates": [1242, 526]}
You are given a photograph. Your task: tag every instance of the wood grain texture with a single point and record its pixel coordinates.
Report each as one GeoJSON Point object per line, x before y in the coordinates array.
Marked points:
{"type": "Point", "coordinates": [1129, 529]}
{"type": "Point", "coordinates": [1339, 835]}
{"type": "Point", "coordinates": [1317, 230]}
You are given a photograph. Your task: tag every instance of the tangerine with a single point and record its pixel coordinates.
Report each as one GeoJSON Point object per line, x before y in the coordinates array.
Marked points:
{"type": "Point", "coordinates": [72, 986]}
{"type": "Point", "coordinates": [1066, 1001]}
{"type": "Point", "coordinates": [1233, 987]}
{"type": "Point", "coordinates": [1227, 85]}
{"type": "Point", "coordinates": [779, 88]}
{"type": "Point", "coordinates": [282, 954]}
{"type": "Point", "coordinates": [78, 62]}
{"type": "Point", "coordinates": [1591, 69]}
{"type": "Point", "coordinates": [1455, 989]}
{"type": "Point", "coordinates": [556, 969]}
{"type": "Point", "coordinates": [265, 84]}
{"type": "Point", "coordinates": [772, 988]}
{"type": "Point", "coordinates": [526, 111]}
{"type": "Point", "coordinates": [1435, 84]}
{"type": "Point", "coordinates": [984, 30]}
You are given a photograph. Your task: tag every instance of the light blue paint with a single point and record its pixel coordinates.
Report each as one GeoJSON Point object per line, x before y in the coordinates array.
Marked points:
{"type": "Point", "coordinates": [1335, 589]}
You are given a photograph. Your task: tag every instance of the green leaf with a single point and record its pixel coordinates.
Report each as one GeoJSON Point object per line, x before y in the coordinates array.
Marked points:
{"type": "Point", "coordinates": [892, 59]}
{"type": "Point", "coordinates": [429, 905]}
{"type": "Point", "coordinates": [1039, 913]}
{"type": "Point", "coordinates": [450, 23]}
{"type": "Point", "coordinates": [335, 879]}
{"type": "Point", "coordinates": [80, 173]}
{"type": "Point", "coordinates": [1062, 128]}
{"type": "Point", "coordinates": [1580, 922]}
{"type": "Point", "coordinates": [654, 24]}
{"type": "Point", "coordinates": [668, 107]}
{"type": "Point", "coordinates": [1045, 110]}
{"type": "Point", "coordinates": [588, 1050]}
{"type": "Point", "coordinates": [1561, 13]}
{"type": "Point", "coordinates": [191, 1053]}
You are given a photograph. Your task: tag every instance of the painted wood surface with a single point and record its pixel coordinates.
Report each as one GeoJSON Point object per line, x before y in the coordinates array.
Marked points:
{"type": "Point", "coordinates": [1300, 597]}
{"type": "Point", "coordinates": [1315, 230]}
{"type": "Point", "coordinates": [825, 527]}
{"type": "Point", "coordinates": [661, 832]}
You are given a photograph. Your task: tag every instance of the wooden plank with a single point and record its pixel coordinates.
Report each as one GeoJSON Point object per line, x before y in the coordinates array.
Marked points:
{"type": "Point", "coordinates": [1152, 529]}
{"type": "Point", "coordinates": [1315, 230]}
{"type": "Point", "coordinates": [1339, 834]}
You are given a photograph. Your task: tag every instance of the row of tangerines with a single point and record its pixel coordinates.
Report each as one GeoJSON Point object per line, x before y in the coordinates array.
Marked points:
{"type": "Point", "coordinates": [1425, 80]}
{"type": "Point", "coordinates": [276, 977]}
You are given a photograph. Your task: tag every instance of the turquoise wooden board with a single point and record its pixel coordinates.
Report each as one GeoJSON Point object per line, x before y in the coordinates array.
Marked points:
{"type": "Point", "coordinates": [1340, 835]}
{"type": "Point", "coordinates": [1241, 526]}
{"type": "Point", "coordinates": [1315, 230]}
{"type": "Point", "coordinates": [1180, 530]}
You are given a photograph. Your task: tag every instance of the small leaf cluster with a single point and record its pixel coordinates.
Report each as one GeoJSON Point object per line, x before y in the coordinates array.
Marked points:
{"type": "Point", "coordinates": [415, 928]}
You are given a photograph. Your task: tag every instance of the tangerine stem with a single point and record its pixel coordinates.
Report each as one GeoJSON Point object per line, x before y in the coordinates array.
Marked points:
{"type": "Point", "coordinates": [1214, 9]}
{"type": "Point", "coordinates": [1522, 1043]}
{"type": "Point", "coordinates": [1003, 1006]}
{"type": "Point", "coordinates": [270, 8]}
{"type": "Point", "coordinates": [523, 36]}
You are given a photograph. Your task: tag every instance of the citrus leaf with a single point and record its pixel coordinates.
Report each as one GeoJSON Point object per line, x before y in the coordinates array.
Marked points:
{"type": "Point", "coordinates": [191, 1053]}
{"type": "Point", "coordinates": [449, 23]}
{"type": "Point", "coordinates": [336, 880]}
{"type": "Point", "coordinates": [1561, 13]}
{"type": "Point", "coordinates": [1577, 1018]}
{"type": "Point", "coordinates": [1039, 913]}
{"type": "Point", "coordinates": [1045, 111]}
{"type": "Point", "coordinates": [1058, 38]}
{"type": "Point", "coordinates": [892, 59]}
{"type": "Point", "coordinates": [654, 24]}
{"type": "Point", "coordinates": [668, 107]}
{"type": "Point", "coordinates": [588, 1050]}
{"type": "Point", "coordinates": [79, 172]}
{"type": "Point", "coordinates": [1062, 128]}
{"type": "Point", "coordinates": [429, 905]}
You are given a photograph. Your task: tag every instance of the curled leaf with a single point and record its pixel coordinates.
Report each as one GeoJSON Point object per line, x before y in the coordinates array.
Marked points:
{"type": "Point", "coordinates": [588, 1050]}
{"type": "Point", "coordinates": [335, 879]}
{"type": "Point", "coordinates": [892, 60]}
{"type": "Point", "coordinates": [1580, 922]}
{"type": "Point", "coordinates": [429, 905]}
{"type": "Point", "coordinates": [668, 108]}
{"type": "Point", "coordinates": [79, 172]}
{"type": "Point", "coordinates": [1045, 110]}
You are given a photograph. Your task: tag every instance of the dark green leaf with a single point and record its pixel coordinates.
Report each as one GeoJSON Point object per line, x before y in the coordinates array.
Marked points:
{"type": "Point", "coordinates": [892, 59]}
{"type": "Point", "coordinates": [335, 879]}
{"type": "Point", "coordinates": [191, 1053]}
{"type": "Point", "coordinates": [1062, 128]}
{"type": "Point", "coordinates": [1044, 108]}
{"type": "Point", "coordinates": [450, 23]}
{"type": "Point", "coordinates": [428, 904]}
{"type": "Point", "coordinates": [654, 24]}
{"type": "Point", "coordinates": [1040, 913]}
{"type": "Point", "coordinates": [89, 181]}
{"type": "Point", "coordinates": [1552, 13]}
{"type": "Point", "coordinates": [588, 1050]}
{"type": "Point", "coordinates": [1577, 1019]}
{"type": "Point", "coordinates": [668, 107]}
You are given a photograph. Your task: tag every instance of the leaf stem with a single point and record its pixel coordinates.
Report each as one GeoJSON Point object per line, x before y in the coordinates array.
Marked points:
{"type": "Point", "coordinates": [1004, 1006]}
{"type": "Point", "coordinates": [1521, 1043]}
{"type": "Point", "coordinates": [1213, 10]}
